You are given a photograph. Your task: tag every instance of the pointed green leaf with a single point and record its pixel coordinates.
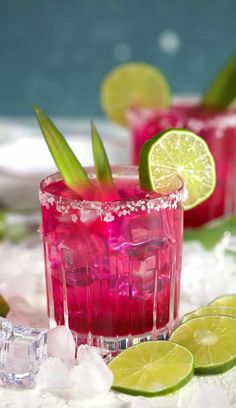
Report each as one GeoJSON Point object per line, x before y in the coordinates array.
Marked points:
{"type": "Point", "coordinates": [101, 162]}
{"type": "Point", "coordinates": [70, 168]}
{"type": "Point", "coordinates": [222, 90]}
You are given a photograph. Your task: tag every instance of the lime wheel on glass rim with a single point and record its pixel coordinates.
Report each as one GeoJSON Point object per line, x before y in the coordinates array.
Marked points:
{"type": "Point", "coordinates": [177, 155]}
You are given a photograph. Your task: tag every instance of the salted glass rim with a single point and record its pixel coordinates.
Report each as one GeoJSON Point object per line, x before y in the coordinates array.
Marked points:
{"type": "Point", "coordinates": [121, 171]}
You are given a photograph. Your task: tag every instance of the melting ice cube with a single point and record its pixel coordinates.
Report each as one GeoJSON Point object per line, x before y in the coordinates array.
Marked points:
{"type": "Point", "coordinates": [21, 355]}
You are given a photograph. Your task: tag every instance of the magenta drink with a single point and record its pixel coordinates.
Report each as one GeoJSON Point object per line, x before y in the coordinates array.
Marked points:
{"type": "Point", "coordinates": [217, 128]}
{"type": "Point", "coordinates": [112, 268]}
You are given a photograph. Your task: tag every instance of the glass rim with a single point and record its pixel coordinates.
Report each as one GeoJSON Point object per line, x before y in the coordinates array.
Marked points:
{"type": "Point", "coordinates": [122, 172]}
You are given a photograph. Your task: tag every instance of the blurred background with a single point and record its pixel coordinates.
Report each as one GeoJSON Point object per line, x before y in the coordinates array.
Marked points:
{"type": "Point", "coordinates": [55, 53]}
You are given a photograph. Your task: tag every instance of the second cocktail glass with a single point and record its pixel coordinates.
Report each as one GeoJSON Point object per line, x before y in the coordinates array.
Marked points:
{"type": "Point", "coordinates": [217, 128]}
{"type": "Point", "coordinates": [112, 268]}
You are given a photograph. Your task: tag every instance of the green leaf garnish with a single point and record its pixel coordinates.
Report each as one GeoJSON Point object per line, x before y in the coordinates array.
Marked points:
{"type": "Point", "coordinates": [222, 90]}
{"type": "Point", "coordinates": [101, 162]}
{"type": "Point", "coordinates": [70, 168]}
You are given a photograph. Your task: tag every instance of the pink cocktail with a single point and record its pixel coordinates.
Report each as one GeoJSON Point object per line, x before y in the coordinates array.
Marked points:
{"type": "Point", "coordinates": [217, 128]}
{"type": "Point", "coordinates": [112, 268]}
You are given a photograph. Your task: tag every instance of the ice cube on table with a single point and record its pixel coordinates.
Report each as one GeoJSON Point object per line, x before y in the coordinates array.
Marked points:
{"type": "Point", "coordinates": [21, 354]}
{"type": "Point", "coordinates": [61, 344]}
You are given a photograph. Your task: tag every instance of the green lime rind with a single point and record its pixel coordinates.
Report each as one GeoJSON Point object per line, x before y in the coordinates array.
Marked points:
{"type": "Point", "coordinates": [133, 85]}
{"type": "Point", "coordinates": [211, 340]}
{"type": "Point", "coordinates": [151, 369]}
{"type": "Point", "coordinates": [222, 91]}
{"type": "Point", "coordinates": [210, 311]}
{"type": "Point", "coordinates": [174, 155]}
{"type": "Point", "coordinates": [225, 300]}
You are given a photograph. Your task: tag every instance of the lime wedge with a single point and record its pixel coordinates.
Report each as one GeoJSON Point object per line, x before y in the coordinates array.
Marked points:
{"type": "Point", "coordinates": [173, 155]}
{"type": "Point", "coordinates": [211, 339]}
{"type": "Point", "coordinates": [152, 368]}
{"type": "Point", "coordinates": [210, 311]}
{"type": "Point", "coordinates": [133, 85]}
{"type": "Point", "coordinates": [226, 300]}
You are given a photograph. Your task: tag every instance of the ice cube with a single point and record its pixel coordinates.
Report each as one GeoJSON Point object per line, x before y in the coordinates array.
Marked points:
{"type": "Point", "coordinates": [61, 344]}
{"type": "Point", "coordinates": [53, 374]}
{"type": "Point", "coordinates": [210, 396]}
{"type": "Point", "coordinates": [91, 377]}
{"type": "Point", "coordinates": [143, 228]}
{"type": "Point", "coordinates": [21, 355]}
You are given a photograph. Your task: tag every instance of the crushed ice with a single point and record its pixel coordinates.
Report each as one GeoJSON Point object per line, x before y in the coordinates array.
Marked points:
{"type": "Point", "coordinates": [89, 379]}
{"type": "Point", "coordinates": [61, 345]}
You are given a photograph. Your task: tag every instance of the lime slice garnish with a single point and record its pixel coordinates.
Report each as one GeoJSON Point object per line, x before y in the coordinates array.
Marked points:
{"type": "Point", "coordinates": [211, 339]}
{"type": "Point", "coordinates": [152, 368]}
{"type": "Point", "coordinates": [210, 311]}
{"type": "Point", "coordinates": [178, 154]}
{"type": "Point", "coordinates": [226, 300]}
{"type": "Point", "coordinates": [133, 85]}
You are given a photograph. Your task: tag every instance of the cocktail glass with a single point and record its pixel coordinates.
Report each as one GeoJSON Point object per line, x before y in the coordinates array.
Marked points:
{"type": "Point", "coordinates": [112, 268]}
{"type": "Point", "coordinates": [217, 128]}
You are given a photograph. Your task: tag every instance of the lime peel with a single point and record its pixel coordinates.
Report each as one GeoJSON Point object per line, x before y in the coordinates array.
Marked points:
{"type": "Point", "coordinates": [151, 369]}
{"type": "Point", "coordinates": [174, 155]}
{"type": "Point", "coordinates": [210, 310]}
{"type": "Point", "coordinates": [210, 339]}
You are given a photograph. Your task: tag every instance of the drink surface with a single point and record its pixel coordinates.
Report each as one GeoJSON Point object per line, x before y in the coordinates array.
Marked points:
{"type": "Point", "coordinates": [112, 269]}
{"type": "Point", "coordinates": [218, 129]}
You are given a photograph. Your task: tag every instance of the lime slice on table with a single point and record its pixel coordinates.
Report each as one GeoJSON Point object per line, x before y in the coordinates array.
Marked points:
{"type": "Point", "coordinates": [210, 311]}
{"type": "Point", "coordinates": [226, 300]}
{"type": "Point", "coordinates": [152, 368]}
{"type": "Point", "coordinates": [211, 340]}
{"type": "Point", "coordinates": [178, 154]}
{"type": "Point", "coordinates": [134, 85]}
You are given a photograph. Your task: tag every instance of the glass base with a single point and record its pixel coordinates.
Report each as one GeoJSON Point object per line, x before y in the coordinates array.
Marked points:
{"type": "Point", "coordinates": [114, 345]}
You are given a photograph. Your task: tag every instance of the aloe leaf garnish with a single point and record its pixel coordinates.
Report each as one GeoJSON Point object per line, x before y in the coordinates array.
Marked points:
{"type": "Point", "coordinates": [101, 162]}
{"type": "Point", "coordinates": [67, 163]}
{"type": "Point", "coordinates": [106, 187]}
{"type": "Point", "coordinates": [222, 90]}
